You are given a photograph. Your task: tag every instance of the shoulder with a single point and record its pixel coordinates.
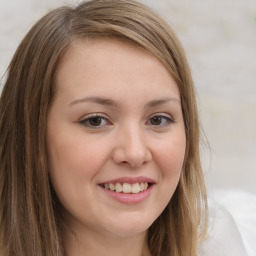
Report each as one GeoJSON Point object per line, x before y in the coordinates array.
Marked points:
{"type": "Point", "coordinates": [232, 225]}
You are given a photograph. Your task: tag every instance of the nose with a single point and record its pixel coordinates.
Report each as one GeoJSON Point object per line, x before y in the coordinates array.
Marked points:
{"type": "Point", "coordinates": [131, 148]}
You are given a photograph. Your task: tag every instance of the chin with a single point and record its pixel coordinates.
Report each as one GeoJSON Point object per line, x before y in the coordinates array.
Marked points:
{"type": "Point", "coordinates": [131, 226]}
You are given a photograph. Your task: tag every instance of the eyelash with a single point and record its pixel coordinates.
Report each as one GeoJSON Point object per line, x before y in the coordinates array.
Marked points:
{"type": "Point", "coordinates": [89, 118]}
{"type": "Point", "coordinates": [87, 122]}
{"type": "Point", "coordinates": [168, 120]}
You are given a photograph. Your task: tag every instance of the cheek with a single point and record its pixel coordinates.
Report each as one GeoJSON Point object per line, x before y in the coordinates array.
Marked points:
{"type": "Point", "coordinates": [171, 153]}
{"type": "Point", "coordinates": [170, 158]}
{"type": "Point", "coordinates": [75, 157]}
{"type": "Point", "coordinates": [73, 165]}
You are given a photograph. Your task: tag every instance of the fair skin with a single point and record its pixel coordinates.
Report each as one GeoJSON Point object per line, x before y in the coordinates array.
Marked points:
{"type": "Point", "coordinates": [116, 117]}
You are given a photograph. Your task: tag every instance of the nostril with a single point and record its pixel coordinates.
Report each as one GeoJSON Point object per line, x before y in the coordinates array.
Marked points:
{"type": "Point", "coordinates": [131, 156]}
{"type": "Point", "coordinates": [124, 163]}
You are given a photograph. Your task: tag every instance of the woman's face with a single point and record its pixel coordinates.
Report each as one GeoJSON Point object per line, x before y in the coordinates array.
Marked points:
{"type": "Point", "coordinates": [115, 136]}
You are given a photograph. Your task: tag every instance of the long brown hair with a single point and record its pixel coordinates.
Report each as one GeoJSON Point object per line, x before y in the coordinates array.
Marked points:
{"type": "Point", "coordinates": [29, 214]}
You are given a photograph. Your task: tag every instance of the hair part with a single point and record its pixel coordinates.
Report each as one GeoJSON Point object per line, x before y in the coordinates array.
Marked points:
{"type": "Point", "coordinates": [29, 210]}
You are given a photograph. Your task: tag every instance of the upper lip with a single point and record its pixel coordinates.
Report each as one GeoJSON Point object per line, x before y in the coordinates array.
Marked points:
{"type": "Point", "coordinates": [130, 180]}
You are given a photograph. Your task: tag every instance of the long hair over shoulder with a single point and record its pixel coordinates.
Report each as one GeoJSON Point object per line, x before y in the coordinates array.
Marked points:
{"type": "Point", "coordinates": [30, 216]}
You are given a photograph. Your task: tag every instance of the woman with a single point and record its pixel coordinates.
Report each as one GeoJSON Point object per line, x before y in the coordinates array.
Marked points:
{"type": "Point", "coordinates": [100, 138]}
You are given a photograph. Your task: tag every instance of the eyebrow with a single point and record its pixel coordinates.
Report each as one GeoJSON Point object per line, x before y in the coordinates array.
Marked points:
{"type": "Point", "coordinates": [155, 103]}
{"type": "Point", "coordinates": [99, 100]}
{"type": "Point", "coordinates": [111, 103]}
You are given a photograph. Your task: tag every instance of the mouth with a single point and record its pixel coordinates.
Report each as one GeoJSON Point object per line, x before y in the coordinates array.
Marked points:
{"type": "Point", "coordinates": [127, 188]}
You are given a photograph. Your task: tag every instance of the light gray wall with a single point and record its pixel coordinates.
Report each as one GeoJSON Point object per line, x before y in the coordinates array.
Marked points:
{"type": "Point", "coordinates": [220, 41]}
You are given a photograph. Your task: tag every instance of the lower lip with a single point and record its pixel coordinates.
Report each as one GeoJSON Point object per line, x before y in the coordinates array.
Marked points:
{"type": "Point", "coordinates": [129, 198]}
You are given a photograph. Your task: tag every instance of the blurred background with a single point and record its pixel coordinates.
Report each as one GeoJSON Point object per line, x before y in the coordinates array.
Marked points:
{"type": "Point", "coordinates": [220, 41]}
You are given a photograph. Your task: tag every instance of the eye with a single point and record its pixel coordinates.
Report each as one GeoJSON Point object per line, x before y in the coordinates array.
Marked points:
{"type": "Point", "coordinates": [94, 121]}
{"type": "Point", "coordinates": [160, 120]}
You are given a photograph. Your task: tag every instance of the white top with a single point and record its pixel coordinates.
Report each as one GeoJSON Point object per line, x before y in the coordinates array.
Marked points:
{"type": "Point", "coordinates": [232, 225]}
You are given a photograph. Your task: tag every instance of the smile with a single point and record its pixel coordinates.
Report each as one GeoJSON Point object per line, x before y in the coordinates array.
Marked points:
{"type": "Point", "coordinates": [127, 188]}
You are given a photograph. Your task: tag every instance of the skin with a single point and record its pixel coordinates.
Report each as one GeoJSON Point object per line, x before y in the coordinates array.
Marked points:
{"type": "Point", "coordinates": [123, 141]}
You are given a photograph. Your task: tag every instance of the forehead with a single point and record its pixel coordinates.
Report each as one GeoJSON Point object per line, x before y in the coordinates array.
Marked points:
{"type": "Point", "coordinates": [103, 65]}
{"type": "Point", "coordinates": [111, 49]}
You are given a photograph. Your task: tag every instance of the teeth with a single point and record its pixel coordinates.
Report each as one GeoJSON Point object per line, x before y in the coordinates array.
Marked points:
{"type": "Point", "coordinates": [119, 188]}
{"type": "Point", "coordinates": [112, 187]}
{"type": "Point", "coordinates": [127, 188]}
{"type": "Point", "coordinates": [135, 188]}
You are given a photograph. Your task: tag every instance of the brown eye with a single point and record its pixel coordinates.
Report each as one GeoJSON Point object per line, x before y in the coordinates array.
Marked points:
{"type": "Point", "coordinates": [160, 120]}
{"type": "Point", "coordinates": [156, 120]}
{"type": "Point", "coordinates": [94, 121]}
